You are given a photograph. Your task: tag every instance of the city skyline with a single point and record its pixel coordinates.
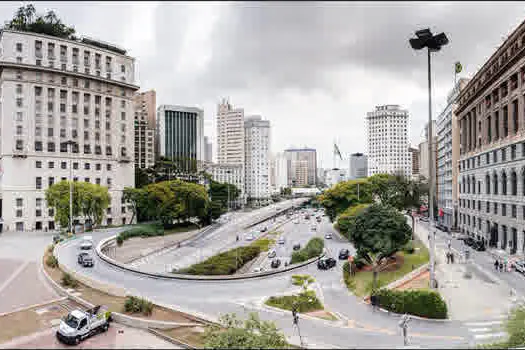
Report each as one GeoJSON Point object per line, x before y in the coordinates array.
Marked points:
{"type": "Point", "coordinates": [287, 98]}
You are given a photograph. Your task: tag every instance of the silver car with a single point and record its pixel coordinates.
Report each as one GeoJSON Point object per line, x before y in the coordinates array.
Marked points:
{"type": "Point", "coordinates": [281, 240]}
{"type": "Point", "coordinates": [272, 253]}
{"type": "Point", "coordinates": [520, 266]}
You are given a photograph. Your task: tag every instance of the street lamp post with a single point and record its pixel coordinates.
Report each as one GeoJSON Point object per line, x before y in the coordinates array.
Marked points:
{"type": "Point", "coordinates": [433, 43]}
{"type": "Point", "coordinates": [70, 143]}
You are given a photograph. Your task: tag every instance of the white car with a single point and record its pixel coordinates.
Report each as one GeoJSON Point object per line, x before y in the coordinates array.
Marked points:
{"type": "Point", "coordinates": [520, 266]}
{"type": "Point", "coordinates": [296, 221]}
{"type": "Point", "coordinates": [314, 228]}
{"type": "Point", "coordinates": [328, 236]}
{"type": "Point", "coordinates": [281, 240]}
{"type": "Point", "coordinates": [249, 237]}
{"type": "Point", "coordinates": [258, 269]}
{"type": "Point", "coordinates": [87, 243]}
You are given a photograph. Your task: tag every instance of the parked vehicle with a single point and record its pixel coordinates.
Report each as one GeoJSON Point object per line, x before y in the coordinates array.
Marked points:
{"type": "Point", "coordinates": [478, 245]}
{"type": "Point", "coordinates": [343, 254]}
{"type": "Point", "coordinates": [296, 246]}
{"type": "Point", "coordinates": [87, 243]}
{"type": "Point", "coordinates": [56, 239]}
{"type": "Point", "coordinates": [79, 325]}
{"type": "Point", "coordinates": [296, 221]}
{"type": "Point", "coordinates": [272, 253]}
{"type": "Point", "coordinates": [326, 263]}
{"type": "Point", "coordinates": [469, 241]}
{"type": "Point", "coordinates": [313, 228]}
{"type": "Point", "coordinates": [264, 229]}
{"type": "Point", "coordinates": [328, 235]}
{"type": "Point", "coordinates": [275, 263]}
{"type": "Point", "coordinates": [258, 269]}
{"type": "Point", "coordinates": [281, 240]}
{"type": "Point", "coordinates": [249, 237]}
{"type": "Point", "coordinates": [519, 266]}
{"type": "Point", "coordinates": [87, 261]}
{"type": "Point", "coordinates": [318, 219]}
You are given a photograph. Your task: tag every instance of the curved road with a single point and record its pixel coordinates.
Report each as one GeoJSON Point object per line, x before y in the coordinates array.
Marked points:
{"type": "Point", "coordinates": [359, 325]}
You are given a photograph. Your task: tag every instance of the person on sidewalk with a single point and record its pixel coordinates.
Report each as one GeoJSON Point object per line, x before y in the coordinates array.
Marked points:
{"type": "Point", "coordinates": [449, 243]}
{"type": "Point", "coordinates": [496, 264]}
{"type": "Point", "coordinates": [451, 257]}
{"type": "Point", "coordinates": [500, 266]}
{"type": "Point", "coordinates": [448, 257]}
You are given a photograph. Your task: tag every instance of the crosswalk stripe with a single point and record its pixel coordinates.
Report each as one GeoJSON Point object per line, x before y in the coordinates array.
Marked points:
{"type": "Point", "coordinates": [481, 324]}
{"type": "Point", "coordinates": [490, 335]}
{"type": "Point", "coordinates": [479, 330]}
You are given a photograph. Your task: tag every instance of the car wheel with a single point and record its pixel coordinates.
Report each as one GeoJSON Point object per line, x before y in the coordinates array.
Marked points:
{"type": "Point", "coordinates": [105, 327]}
{"type": "Point", "coordinates": [77, 340]}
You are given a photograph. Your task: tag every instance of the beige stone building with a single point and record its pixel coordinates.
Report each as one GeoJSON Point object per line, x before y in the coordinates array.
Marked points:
{"type": "Point", "coordinates": [491, 116]}
{"type": "Point", "coordinates": [145, 106]}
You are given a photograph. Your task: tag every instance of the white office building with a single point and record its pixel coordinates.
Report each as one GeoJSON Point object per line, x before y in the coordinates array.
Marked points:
{"type": "Point", "coordinates": [334, 176]}
{"type": "Point", "coordinates": [230, 134]}
{"type": "Point", "coordinates": [231, 174]}
{"type": "Point", "coordinates": [207, 150]}
{"type": "Point", "coordinates": [358, 166]}
{"type": "Point", "coordinates": [257, 157]}
{"type": "Point", "coordinates": [55, 90]}
{"type": "Point", "coordinates": [387, 141]}
{"type": "Point", "coordinates": [279, 172]}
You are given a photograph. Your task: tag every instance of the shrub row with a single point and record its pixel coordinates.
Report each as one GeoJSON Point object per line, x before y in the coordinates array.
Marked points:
{"type": "Point", "coordinates": [422, 303]}
{"type": "Point", "coordinates": [140, 231]}
{"type": "Point", "coordinates": [264, 243]}
{"type": "Point", "coordinates": [306, 301]}
{"type": "Point", "coordinates": [69, 281]}
{"type": "Point", "coordinates": [134, 305]}
{"type": "Point", "coordinates": [51, 261]}
{"type": "Point", "coordinates": [313, 248]}
{"type": "Point", "coordinates": [299, 280]}
{"type": "Point", "coordinates": [226, 263]}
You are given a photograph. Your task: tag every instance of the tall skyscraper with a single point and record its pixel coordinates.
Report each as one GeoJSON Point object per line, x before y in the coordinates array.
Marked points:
{"type": "Point", "coordinates": [207, 150]}
{"type": "Point", "coordinates": [280, 171]}
{"type": "Point", "coordinates": [358, 166]}
{"type": "Point", "coordinates": [302, 166]}
{"type": "Point", "coordinates": [387, 134]}
{"type": "Point", "coordinates": [180, 135]}
{"type": "Point", "coordinates": [414, 156]}
{"type": "Point", "coordinates": [230, 134]}
{"type": "Point", "coordinates": [257, 157]}
{"type": "Point", "coordinates": [55, 90]}
{"type": "Point", "coordinates": [448, 155]}
{"type": "Point", "coordinates": [145, 106]}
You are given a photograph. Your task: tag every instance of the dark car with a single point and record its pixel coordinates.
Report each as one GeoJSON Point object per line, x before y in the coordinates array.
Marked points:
{"type": "Point", "coordinates": [343, 254]}
{"type": "Point", "coordinates": [326, 263]}
{"type": "Point", "coordinates": [87, 261]}
{"type": "Point", "coordinates": [275, 263]}
{"type": "Point", "coordinates": [479, 246]}
{"type": "Point", "coordinates": [81, 257]}
{"type": "Point", "coordinates": [264, 229]}
{"type": "Point", "coordinates": [296, 246]}
{"type": "Point", "coordinates": [470, 241]}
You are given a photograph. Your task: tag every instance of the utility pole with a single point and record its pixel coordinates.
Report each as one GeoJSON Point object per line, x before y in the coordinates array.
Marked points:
{"type": "Point", "coordinates": [296, 323]}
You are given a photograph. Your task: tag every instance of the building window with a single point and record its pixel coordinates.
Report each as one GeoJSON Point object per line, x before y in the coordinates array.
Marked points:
{"type": "Point", "coordinates": [39, 202]}
{"type": "Point", "coordinates": [63, 165]}
{"type": "Point", "coordinates": [75, 165]}
{"type": "Point", "coordinates": [51, 147]}
{"type": "Point", "coordinates": [97, 180]}
{"type": "Point", "coordinates": [503, 209]}
{"type": "Point", "coordinates": [19, 202]}
{"type": "Point", "coordinates": [108, 167]}
{"type": "Point", "coordinates": [51, 181]}
{"type": "Point", "coordinates": [39, 183]}
{"type": "Point", "coordinates": [504, 183]}
{"type": "Point", "coordinates": [513, 152]}
{"type": "Point", "coordinates": [513, 183]}
{"type": "Point", "coordinates": [19, 213]}
{"type": "Point", "coordinates": [18, 47]}
{"type": "Point", "coordinates": [487, 209]}
{"type": "Point", "coordinates": [514, 210]}
{"type": "Point", "coordinates": [503, 154]}
{"type": "Point", "coordinates": [495, 208]}
{"type": "Point", "coordinates": [38, 164]}
{"type": "Point", "coordinates": [51, 212]}
{"type": "Point", "coordinates": [87, 166]}
{"type": "Point", "coordinates": [51, 165]}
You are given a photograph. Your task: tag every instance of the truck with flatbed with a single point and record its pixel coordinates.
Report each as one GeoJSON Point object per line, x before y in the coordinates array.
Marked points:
{"type": "Point", "coordinates": [79, 325]}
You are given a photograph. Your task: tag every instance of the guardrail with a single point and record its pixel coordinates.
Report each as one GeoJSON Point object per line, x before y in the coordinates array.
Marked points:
{"type": "Point", "coordinates": [102, 244]}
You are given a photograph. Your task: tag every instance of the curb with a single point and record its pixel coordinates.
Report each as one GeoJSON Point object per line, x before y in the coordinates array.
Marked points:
{"type": "Point", "coordinates": [170, 339]}
{"type": "Point", "coordinates": [223, 278]}
{"type": "Point", "coordinates": [118, 317]}
{"type": "Point", "coordinates": [418, 317]}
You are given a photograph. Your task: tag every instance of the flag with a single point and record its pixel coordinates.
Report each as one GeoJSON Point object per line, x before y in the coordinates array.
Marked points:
{"type": "Point", "coordinates": [337, 152]}
{"type": "Point", "coordinates": [458, 68]}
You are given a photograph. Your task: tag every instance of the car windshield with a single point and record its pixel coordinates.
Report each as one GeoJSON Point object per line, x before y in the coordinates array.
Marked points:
{"type": "Point", "coordinates": [71, 321]}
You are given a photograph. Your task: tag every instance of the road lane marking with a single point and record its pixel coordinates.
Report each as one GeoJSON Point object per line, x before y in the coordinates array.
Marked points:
{"type": "Point", "coordinates": [481, 324]}
{"type": "Point", "coordinates": [479, 330]}
{"type": "Point", "coordinates": [10, 279]}
{"type": "Point", "coordinates": [490, 335]}
{"type": "Point", "coordinates": [423, 335]}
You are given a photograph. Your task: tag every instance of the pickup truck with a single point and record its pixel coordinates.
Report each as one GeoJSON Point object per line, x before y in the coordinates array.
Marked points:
{"type": "Point", "coordinates": [79, 325]}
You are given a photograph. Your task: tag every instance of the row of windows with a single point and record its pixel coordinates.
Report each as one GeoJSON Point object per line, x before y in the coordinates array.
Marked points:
{"type": "Point", "coordinates": [470, 163]}
{"type": "Point", "coordinates": [468, 185]}
{"type": "Point", "coordinates": [471, 204]}
{"type": "Point", "coordinates": [51, 181]}
{"type": "Point", "coordinates": [63, 165]}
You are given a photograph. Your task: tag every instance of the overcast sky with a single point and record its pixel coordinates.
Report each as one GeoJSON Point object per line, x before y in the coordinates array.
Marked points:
{"type": "Point", "coordinates": [312, 69]}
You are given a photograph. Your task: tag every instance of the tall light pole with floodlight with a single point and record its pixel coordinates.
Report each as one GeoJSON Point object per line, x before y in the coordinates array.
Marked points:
{"type": "Point", "coordinates": [433, 43]}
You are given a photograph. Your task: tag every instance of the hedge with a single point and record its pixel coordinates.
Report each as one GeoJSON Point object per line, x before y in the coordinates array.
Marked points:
{"type": "Point", "coordinates": [138, 305]}
{"type": "Point", "coordinates": [226, 263]}
{"type": "Point", "coordinates": [422, 303]}
{"type": "Point", "coordinates": [313, 248]}
{"type": "Point", "coordinates": [140, 231]}
{"type": "Point", "coordinates": [306, 301]}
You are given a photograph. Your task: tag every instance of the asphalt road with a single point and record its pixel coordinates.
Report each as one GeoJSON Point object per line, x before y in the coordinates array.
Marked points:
{"type": "Point", "coordinates": [359, 325]}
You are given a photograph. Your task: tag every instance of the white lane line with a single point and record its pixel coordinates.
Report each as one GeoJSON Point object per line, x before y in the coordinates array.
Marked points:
{"type": "Point", "coordinates": [481, 324]}
{"type": "Point", "coordinates": [479, 330]}
{"type": "Point", "coordinates": [490, 335]}
{"type": "Point", "coordinates": [8, 281]}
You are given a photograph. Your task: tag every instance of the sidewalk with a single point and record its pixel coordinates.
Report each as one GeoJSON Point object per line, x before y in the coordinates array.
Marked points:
{"type": "Point", "coordinates": [472, 298]}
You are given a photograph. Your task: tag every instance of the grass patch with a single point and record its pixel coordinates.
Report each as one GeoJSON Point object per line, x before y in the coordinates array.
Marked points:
{"type": "Point", "coordinates": [306, 301]}
{"type": "Point", "coordinates": [313, 248]}
{"type": "Point", "coordinates": [187, 335]}
{"type": "Point", "coordinates": [361, 283]}
{"type": "Point", "coordinates": [300, 280]}
{"type": "Point", "coordinates": [264, 244]}
{"type": "Point", "coordinates": [134, 305]}
{"type": "Point", "coordinates": [226, 263]}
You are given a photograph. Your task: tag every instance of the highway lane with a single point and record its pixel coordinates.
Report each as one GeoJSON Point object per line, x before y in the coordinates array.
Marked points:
{"type": "Point", "coordinates": [213, 242]}
{"type": "Point", "coordinates": [359, 327]}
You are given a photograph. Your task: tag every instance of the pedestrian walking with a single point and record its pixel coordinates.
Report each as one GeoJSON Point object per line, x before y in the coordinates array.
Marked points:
{"type": "Point", "coordinates": [449, 243]}
{"type": "Point", "coordinates": [500, 266]}
{"type": "Point", "coordinates": [496, 264]}
{"type": "Point", "coordinates": [452, 257]}
{"type": "Point", "coordinates": [448, 257]}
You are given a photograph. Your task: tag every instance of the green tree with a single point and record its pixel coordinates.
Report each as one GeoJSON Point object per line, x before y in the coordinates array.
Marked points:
{"type": "Point", "coordinates": [137, 198]}
{"type": "Point", "coordinates": [346, 219]}
{"type": "Point", "coordinates": [286, 191]}
{"type": "Point", "coordinates": [344, 195]}
{"type": "Point", "coordinates": [249, 334]}
{"type": "Point", "coordinates": [24, 20]}
{"type": "Point", "coordinates": [89, 200]}
{"type": "Point", "coordinates": [142, 177]}
{"type": "Point", "coordinates": [378, 232]}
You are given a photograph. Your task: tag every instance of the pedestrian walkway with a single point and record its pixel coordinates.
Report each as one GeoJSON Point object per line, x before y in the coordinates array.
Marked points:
{"type": "Point", "coordinates": [486, 331]}
{"type": "Point", "coordinates": [469, 292]}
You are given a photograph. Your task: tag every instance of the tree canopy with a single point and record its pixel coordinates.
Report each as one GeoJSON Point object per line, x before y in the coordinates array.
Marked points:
{"type": "Point", "coordinates": [89, 200]}
{"type": "Point", "coordinates": [344, 195]}
{"type": "Point", "coordinates": [249, 334]}
{"type": "Point", "coordinates": [25, 19]}
{"type": "Point", "coordinates": [378, 231]}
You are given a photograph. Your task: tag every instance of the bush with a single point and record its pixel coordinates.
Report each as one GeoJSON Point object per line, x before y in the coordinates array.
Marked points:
{"type": "Point", "coordinates": [306, 301]}
{"type": "Point", "coordinates": [409, 248]}
{"type": "Point", "coordinates": [226, 263]}
{"type": "Point", "coordinates": [50, 248]}
{"type": "Point", "coordinates": [347, 277]}
{"type": "Point", "coordinates": [140, 231]}
{"type": "Point", "coordinates": [134, 305]}
{"type": "Point", "coordinates": [299, 280]}
{"type": "Point", "coordinates": [313, 248]}
{"type": "Point", "coordinates": [264, 243]}
{"type": "Point", "coordinates": [51, 261]}
{"type": "Point", "coordinates": [69, 281]}
{"type": "Point", "coordinates": [422, 303]}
